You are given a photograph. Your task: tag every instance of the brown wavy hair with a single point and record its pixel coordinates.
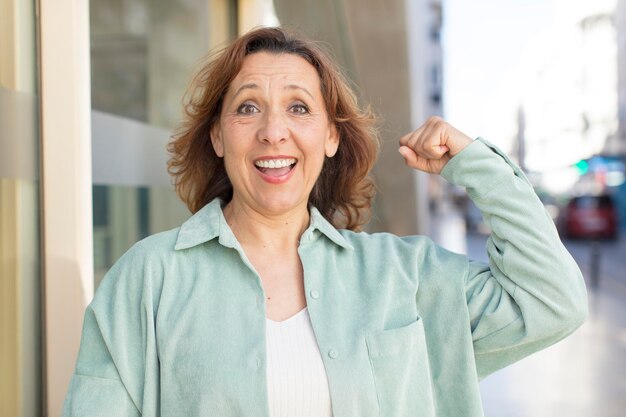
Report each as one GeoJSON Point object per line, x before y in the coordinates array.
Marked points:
{"type": "Point", "coordinates": [344, 190]}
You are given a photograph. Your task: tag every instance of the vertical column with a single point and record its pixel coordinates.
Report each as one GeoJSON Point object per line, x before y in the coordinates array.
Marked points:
{"type": "Point", "coordinates": [66, 174]}
{"type": "Point", "coordinates": [417, 63]}
{"type": "Point", "coordinates": [9, 318]}
{"type": "Point", "coordinates": [20, 339]}
{"type": "Point", "coordinates": [371, 40]}
{"type": "Point", "coordinates": [254, 13]}
{"type": "Point", "coordinates": [222, 18]}
{"type": "Point", "coordinates": [381, 39]}
{"type": "Point", "coordinates": [9, 306]}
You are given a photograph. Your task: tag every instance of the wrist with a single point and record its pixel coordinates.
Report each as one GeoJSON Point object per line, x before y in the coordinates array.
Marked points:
{"type": "Point", "coordinates": [463, 142]}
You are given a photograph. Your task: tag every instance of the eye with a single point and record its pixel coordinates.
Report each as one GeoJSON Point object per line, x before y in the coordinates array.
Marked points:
{"type": "Point", "coordinates": [299, 108]}
{"type": "Point", "coordinates": [247, 108]}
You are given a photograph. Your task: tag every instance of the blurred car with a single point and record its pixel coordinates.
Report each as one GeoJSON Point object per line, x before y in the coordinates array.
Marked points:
{"type": "Point", "coordinates": [590, 217]}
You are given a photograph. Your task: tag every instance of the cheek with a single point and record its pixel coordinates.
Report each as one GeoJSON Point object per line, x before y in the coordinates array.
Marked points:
{"type": "Point", "coordinates": [235, 144]}
{"type": "Point", "coordinates": [235, 174]}
{"type": "Point", "coordinates": [236, 149]}
{"type": "Point", "coordinates": [316, 156]}
{"type": "Point", "coordinates": [233, 165]}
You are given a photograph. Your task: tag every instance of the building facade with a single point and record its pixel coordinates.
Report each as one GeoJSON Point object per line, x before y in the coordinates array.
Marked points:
{"type": "Point", "coordinates": [89, 95]}
{"type": "Point", "coordinates": [620, 26]}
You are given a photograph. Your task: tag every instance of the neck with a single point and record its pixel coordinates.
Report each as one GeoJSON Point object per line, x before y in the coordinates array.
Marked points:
{"type": "Point", "coordinates": [270, 231]}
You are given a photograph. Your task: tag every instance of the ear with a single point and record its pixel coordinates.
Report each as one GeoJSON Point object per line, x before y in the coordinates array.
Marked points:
{"type": "Point", "coordinates": [216, 140]}
{"type": "Point", "coordinates": [332, 142]}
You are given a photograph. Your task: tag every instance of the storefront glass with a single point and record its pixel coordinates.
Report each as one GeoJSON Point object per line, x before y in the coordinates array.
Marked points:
{"type": "Point", "coordinates": [142, 55]}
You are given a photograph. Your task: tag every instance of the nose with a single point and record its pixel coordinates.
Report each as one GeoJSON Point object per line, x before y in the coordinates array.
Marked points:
{"type": "Point", "coordinates": [273, 129]}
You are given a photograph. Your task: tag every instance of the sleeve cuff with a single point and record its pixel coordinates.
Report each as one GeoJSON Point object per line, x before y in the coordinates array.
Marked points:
{"type": "Point", "coordinates": [480, 167]}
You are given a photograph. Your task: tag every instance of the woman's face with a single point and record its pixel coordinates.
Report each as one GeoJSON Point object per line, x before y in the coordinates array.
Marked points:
{"type": "Point", "coordinates": [274, 133]}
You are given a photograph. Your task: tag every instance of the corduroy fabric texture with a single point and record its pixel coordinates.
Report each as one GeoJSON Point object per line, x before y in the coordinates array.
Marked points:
{"type": "Point", "coordinates": [405, 328]}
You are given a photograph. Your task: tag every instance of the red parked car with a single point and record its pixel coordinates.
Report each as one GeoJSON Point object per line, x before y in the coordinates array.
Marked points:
{"type": "Point", "coordinates": [591, 217]}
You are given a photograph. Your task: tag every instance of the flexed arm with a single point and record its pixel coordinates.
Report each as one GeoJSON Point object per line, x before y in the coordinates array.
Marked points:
{"type": "Point", "coordinates": [531, 294]}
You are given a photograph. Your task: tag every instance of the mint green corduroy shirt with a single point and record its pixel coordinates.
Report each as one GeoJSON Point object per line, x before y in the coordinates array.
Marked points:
{"type": "Point", "coordinates": [405, 328]}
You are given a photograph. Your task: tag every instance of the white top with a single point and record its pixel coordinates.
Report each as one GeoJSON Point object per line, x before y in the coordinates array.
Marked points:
{"type": "Point", "coordinates": [297, 385]}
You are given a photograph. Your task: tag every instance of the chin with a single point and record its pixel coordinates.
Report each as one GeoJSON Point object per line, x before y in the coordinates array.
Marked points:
{"type": "Point", "coordinates": [281, 204]}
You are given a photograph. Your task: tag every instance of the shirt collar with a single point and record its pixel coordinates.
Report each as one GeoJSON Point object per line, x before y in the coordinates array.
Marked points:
{"type": "Point", "coordinates": [203, 226]}
{"type": "Point", "coordinates": [319, 222]}
{"type": "Point", "coordinates": [209, 222]}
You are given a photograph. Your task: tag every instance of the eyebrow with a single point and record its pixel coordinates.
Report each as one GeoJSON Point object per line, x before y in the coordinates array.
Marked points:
{"type": "Point", "coordinates": [253, 86]}
{"type": "Point", "coordinates": [249, 86]}
{"type": "Point", "coordinates": [297, 87]}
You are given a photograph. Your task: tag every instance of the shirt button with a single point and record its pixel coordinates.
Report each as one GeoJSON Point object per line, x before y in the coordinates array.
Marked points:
{"type": "Point", "coordinates": [315, 294]}
{"type": "Point", "coordinates": [333, 354]}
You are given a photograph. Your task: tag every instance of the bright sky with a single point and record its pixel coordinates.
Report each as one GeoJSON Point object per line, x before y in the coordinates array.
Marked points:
{"type": "Point", "coordinates": [502, 54]}
{"type": "Point", "coordinates": [483, 44]}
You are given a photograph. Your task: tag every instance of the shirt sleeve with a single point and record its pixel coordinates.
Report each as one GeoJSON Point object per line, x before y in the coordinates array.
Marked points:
{"type": "Point", "coordinates": [117, 363]}
{"type": "Point", "coordinates": [532, 293]}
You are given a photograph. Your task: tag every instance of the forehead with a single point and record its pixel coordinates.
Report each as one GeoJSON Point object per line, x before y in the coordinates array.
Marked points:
{"type": "Point", "coordinates": [263, 67]}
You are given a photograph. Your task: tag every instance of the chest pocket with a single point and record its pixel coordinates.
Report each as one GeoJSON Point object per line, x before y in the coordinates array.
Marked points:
{"type": "Point", "coordinates": [401, 371]}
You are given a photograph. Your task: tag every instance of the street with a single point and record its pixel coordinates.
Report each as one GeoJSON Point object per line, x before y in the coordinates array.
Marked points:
{"type": "Point", "coordinates": [581, 376]}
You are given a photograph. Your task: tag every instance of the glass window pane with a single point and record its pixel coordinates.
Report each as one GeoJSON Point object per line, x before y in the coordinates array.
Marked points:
{"type": "Point", "coordinates": [142, 56]}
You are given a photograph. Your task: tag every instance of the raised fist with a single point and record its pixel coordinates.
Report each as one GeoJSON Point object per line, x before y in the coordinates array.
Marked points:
{"type": "Point", "coordinates": [430, 147]}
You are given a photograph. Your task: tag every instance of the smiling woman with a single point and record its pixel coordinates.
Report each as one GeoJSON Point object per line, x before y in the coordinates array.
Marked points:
{"type": "Point", "coordinates": [269, 302]}
{"type": "Point", "coordinates": [274, 114]}
{"type": "Point", "coordinates": [244, 76]}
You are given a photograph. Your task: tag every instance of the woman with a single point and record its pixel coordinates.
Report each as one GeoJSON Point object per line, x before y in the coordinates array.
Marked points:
{"type": "Point", "coordinates": [258, 305]}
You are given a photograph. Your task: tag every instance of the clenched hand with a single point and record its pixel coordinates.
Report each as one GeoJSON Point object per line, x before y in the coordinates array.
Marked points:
{"type": "Point", "coordinates": [432, 145]}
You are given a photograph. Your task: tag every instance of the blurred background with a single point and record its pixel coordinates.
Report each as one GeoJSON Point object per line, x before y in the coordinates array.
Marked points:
{"type": "Point", "coordinates": [90, 94]}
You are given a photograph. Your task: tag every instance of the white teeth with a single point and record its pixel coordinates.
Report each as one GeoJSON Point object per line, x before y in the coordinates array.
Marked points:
{"type": "Point", "coordinates": [275, 163]}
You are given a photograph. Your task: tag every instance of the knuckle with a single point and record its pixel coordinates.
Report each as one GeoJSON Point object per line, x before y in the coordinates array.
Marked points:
{"type": "Point", "coordinates": [438, 122]}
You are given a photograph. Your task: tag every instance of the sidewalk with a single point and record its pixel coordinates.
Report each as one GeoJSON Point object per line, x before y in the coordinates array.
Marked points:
{"type": "Point", "coordinates": [582, 376]}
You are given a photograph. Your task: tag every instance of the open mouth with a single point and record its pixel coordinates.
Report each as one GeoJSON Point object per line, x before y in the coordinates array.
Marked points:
{"type": "Point", "coordinates": [275, 167]}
